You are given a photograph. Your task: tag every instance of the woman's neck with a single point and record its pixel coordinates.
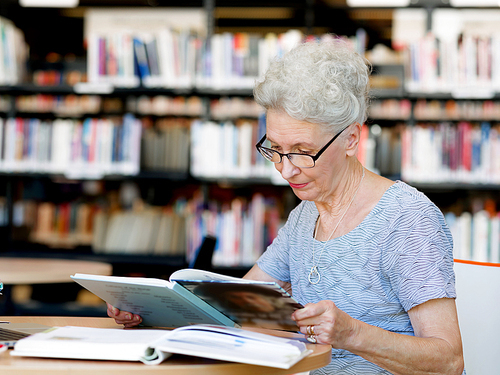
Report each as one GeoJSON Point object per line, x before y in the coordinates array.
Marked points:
{"type": "Point", "coordinates": [337, 205]}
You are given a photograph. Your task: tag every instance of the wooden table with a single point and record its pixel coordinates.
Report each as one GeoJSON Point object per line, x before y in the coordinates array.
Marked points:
{"type": "Point", "coordinates": [177, 364]}
{"type": "Point", "coordinates": [22, 271]}
{"type": "Point", "coordinates": [16, 271]}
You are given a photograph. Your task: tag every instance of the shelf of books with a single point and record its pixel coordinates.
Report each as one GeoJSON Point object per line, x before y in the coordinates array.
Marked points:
{"type": "Point", "coordinates": [90, 148]}
{"type": "Point", "coordinates": [243, 226]}
{"type": "Point", "coordinates": [164, 102]}
{"type": "Point", "coordinates": [476, 235]}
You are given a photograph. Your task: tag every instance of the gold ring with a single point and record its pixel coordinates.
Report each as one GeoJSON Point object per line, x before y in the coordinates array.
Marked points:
{"type": "Point", "coordinates": [308, 330]}
{"type": "Point", "coordinates": [312, 331]}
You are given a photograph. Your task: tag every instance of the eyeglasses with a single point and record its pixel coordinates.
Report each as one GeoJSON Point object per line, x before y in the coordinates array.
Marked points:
{"type": "Point", "coordinates": [299, 160]}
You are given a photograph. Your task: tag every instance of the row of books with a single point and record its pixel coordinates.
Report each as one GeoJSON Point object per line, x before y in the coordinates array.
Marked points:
{"type": "Point", "coordinates": [243, 228]}
{"type": "Point", "coordinates": [466, 66]}
{"type": "Point", "coordinates": [379, 149]}
{"type": "Point", "coordinates": [457, 110]}
{"type": "Point", "coordinates": [234, 107]}
{"type": "Point", "coordinates": [162, 105]}
{"type": "Point", "coordinates": [51, 77]}
{"type": "Point", "coordinates": [159, 231]}
{"type": "Point", "coordinates": [71, 224]}
{"type": "Point", "coordinates": [5, 103]}
{"type": "Point", "coordinates": [227, 149]}
{"type": "Point", "coordinates": [165, 145]}
{"type": "Point", "coordinates": [165, 58]}
{"type": "Point", "coordinates": [90, 148]}
{"type": "Point", "coordinates": [224, 108]}
{"type": "Point", "coordinates": [428, 152]}
{"type": "Point", "coordinates": [154, 230]}
{"type": "Point", "coordinates": [13, 53]}
{"type": "Point", "coordinates": [444, 152]}
{"type": "Point", "coordinates": [95, 147]}
{"type": "Point", "coordinates": [435, 110]}
{"type": "Point", "coordinates": [69, 105]}
{"type": "Point", "coordinates": [173, 58]}
{"type": "Point", "coordinates": [63, 225]}
{"type": "Point", "coordinates": [235, 61]}
{"type": "Point", "coordinates": [158, 105]}
{"type": "Point", "coordinates": [177, 58]}
{"type": "Point", "coordinates": [63, 105]}
{"type": "Point", "coordinates": [194, 106]}
{"type": "Point", "coordinates": [476, 236]}
{"type": "Point", "coordinates": [390, 109]}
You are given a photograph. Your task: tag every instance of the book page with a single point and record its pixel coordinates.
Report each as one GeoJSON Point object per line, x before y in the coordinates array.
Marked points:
{"type": "Point", "coordinates": [89, 343]}
{"type": "Point", "coordinates": [124, 279]}
{"type": "Point", "coordinates": [233, 344]}
{"type": "Point", "coordinates": [158, 302]}
{"type": "Point", "coordinates": [194, 274]}
{"type": "Point", "coordinates": [255, 304]}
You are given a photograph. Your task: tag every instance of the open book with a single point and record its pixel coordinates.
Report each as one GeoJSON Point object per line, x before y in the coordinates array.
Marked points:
{"type": "Point", "coordinates": [197, 297]}
{"type": "Point", "coordinates": [153, 346]}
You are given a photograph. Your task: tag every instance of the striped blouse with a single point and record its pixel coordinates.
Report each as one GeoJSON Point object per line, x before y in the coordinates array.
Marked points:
{"type": "Point", "coordinates": [400, 256]}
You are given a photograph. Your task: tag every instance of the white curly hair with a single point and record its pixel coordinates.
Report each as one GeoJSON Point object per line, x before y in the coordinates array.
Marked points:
{"type": "Point", "coordinates": [324, 82]}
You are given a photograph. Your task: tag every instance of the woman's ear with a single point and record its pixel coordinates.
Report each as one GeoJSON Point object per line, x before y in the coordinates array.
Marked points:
{"type": "Point", "coordinates": [353, 138]}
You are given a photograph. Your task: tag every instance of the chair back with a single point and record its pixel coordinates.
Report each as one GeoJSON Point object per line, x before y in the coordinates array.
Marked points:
{"type": "Point", "coordinates": [478, 306]}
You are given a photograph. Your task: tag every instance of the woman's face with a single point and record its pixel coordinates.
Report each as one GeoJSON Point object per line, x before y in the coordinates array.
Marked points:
{"type": "Point", "coordinates": [289, 135]}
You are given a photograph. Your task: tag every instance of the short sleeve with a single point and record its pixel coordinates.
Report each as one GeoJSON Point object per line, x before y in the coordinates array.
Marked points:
{"type": "Point", "coordinates": [420, 255]}
{"type": "Point", "coordinates": [275, 260]}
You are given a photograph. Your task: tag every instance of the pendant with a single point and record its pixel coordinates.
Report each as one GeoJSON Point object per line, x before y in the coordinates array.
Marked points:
{"type": "Point", "coordinates": [314, 276]}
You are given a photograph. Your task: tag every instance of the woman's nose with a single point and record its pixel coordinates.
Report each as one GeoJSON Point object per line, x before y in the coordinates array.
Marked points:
{"type": "Point", "coordinates": [287, 169]}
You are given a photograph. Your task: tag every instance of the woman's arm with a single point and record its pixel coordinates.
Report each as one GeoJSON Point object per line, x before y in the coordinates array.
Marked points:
{"type": "Point", "coordinates": [436, 347]}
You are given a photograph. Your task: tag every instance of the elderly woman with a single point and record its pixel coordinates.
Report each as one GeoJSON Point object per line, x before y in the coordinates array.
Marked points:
{"type": "Point", "coordinates": [371, 259]}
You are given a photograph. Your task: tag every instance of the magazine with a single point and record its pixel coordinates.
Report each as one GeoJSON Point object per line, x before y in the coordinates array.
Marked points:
{"type": "Point", "coordinates": [193, 296]}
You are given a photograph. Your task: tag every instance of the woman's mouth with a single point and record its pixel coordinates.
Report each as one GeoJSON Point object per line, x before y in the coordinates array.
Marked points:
{"type": "Point", "coordinates": [297, 186]}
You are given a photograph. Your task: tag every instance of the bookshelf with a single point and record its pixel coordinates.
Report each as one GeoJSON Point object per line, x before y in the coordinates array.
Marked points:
{"type": "Point", "coordinates": [182, 109]}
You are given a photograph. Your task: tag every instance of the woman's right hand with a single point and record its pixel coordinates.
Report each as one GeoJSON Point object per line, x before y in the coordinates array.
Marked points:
{"type": "Point", "coordinates": [123, 317]}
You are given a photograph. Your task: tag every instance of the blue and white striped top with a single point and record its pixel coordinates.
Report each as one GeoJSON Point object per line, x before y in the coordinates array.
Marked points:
{"type": "Point", "coordinates": [398, 257]}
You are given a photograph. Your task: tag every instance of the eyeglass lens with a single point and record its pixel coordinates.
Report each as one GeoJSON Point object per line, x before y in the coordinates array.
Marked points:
{"type": "Point", "coordinates": [301, 161]}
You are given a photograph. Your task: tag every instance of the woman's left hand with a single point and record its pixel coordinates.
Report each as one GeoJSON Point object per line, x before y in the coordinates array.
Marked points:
{"type": "Point", "coordinates": [326, 322]}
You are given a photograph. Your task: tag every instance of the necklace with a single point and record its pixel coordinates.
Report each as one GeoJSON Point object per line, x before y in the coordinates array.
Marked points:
{"type": "Point", "coordinates": [314, 275]}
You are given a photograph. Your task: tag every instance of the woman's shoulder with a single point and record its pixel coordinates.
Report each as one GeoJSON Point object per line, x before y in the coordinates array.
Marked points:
{"type": "Point", "coordinates": [401, 193]}
{"type": "Point", "coordinates": [404, 209]}
{"type": "Point", "coordinates": [402, 199]}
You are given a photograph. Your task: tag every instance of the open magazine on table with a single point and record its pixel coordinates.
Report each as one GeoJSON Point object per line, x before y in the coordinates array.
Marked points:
{"type": "Point", "coordinates": [193, 296]}
{"type": "Point", "coordinates": [153, 346]}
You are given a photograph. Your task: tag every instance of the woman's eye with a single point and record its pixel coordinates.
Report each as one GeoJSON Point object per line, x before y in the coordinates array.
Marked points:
{"type": "Point", "coordinates": [304, 152]}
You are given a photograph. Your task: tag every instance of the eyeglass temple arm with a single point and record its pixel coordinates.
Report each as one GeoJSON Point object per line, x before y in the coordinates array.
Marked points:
{"type": "Point", "coordinates": [261, 141]}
